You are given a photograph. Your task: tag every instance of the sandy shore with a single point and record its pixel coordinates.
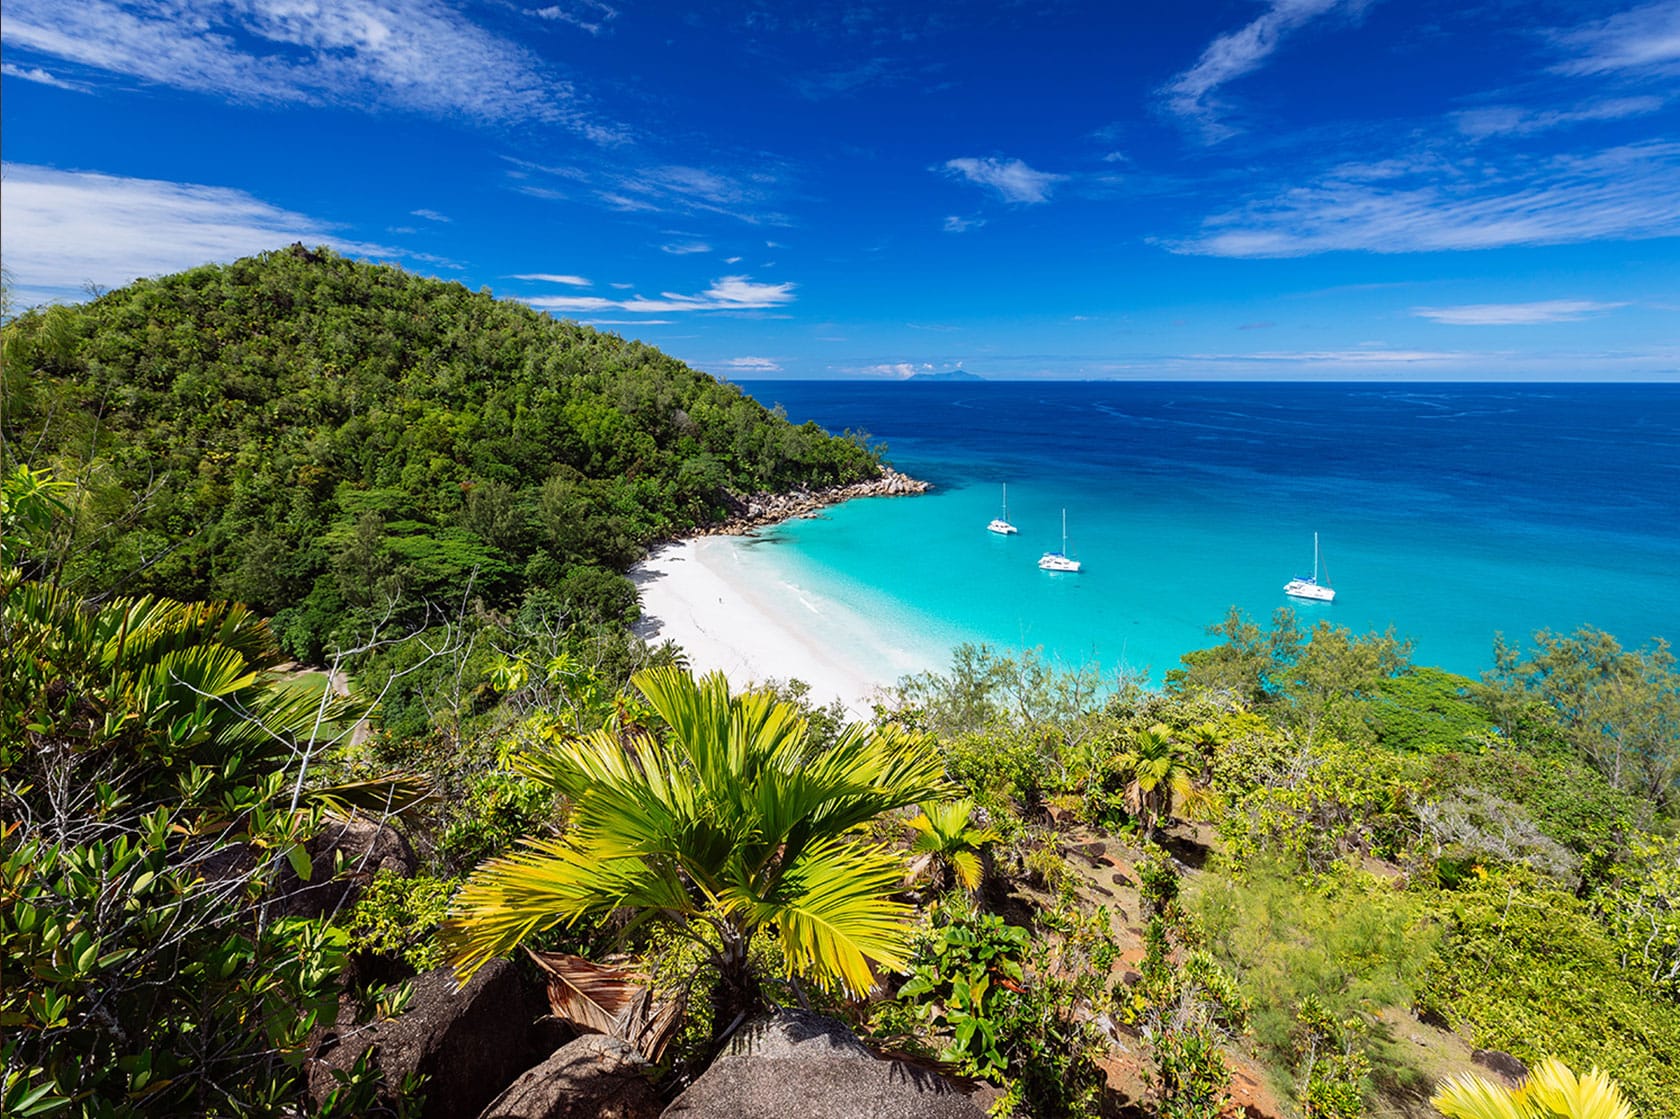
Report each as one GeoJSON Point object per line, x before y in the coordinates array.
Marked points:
{"type": "Point", "coordinates": [700, 594]}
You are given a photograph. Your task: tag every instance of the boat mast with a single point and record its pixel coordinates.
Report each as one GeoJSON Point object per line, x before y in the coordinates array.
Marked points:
{"type": "Point", "coordinates": [1064, 531]}
{"type": "Point", "coordinates": [1315, 558]}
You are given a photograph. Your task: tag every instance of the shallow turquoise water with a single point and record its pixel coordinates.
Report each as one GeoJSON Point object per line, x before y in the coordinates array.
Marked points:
{"type": "Point", "coordinates": [1448, 513]}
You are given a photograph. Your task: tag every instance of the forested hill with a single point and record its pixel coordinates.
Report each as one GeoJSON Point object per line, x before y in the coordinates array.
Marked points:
{"type": "Point", "coordinates": [314, 436]}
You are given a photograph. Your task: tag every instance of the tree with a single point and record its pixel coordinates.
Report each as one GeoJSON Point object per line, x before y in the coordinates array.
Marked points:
{"type": "Point", "coordinates": [948, 842]}
{"type": "Point", "coordinates": [1619, 709]}
{"type": "Point", "coordinates": [1159, 772]}
{"type": "Point", "coordinates": [1551, 1091]}
{"type": "Point", "coordinates": [729, 822]}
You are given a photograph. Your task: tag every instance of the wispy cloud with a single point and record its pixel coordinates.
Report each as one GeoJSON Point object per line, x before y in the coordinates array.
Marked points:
{"type": "Point", "coordinates": [590, 15]}
{"type": "Point", "coordinates": [1515, 314]}
{"type": "Point", "coordinates": [1235, 54]}
{"type": "Point", "coordinates": [1625, 193]}
{"type": "Point", "coordinates": [752, 364]}
{"type": "Point", "coordinates": [686, 248]}
{"type": "Point", "coordinates": [747, 196]}
{"type": "Point", "coordinates": [1642, 39]}
{"type": "Point", "coordinates": [1510, 120]}
{"type": "Point", "coordinates": [63, 230]}
{"type": "Point", "coordinates": [955, 224]}
{"type": "Point", "coordinates": [40, 77]}
{"type": "Point", "coordinates": [1013, 180]}
{"type": "Point", "coordinates": [553, 278]}
{"type": "Point", "coordinates": [430, 215]}
{"type": "Point", "coordinates": [421, 55]}
{"type": "Point", "coordinates": [729, 293]}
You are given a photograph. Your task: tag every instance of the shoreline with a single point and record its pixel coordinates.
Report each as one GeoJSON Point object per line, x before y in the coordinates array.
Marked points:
{"type": "Point", "coordinates": [766, 509]}
{"type": "Point", "coordinates": [699, 591]}
{"type": "Point", "coordinates": [700, 594]}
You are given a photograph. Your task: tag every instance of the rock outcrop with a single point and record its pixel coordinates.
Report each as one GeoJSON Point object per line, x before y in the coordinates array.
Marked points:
{"type": "Point", "coordinates": [805, 1065]}
{"type": "Point", "coordinates": [468, 1043]}
{"type": "Point", "coordinates": [365, 847]}
{"type": "Point", "coordinates": [594, 1077]}
{"type": "Point", "coordinates": [761, 509]}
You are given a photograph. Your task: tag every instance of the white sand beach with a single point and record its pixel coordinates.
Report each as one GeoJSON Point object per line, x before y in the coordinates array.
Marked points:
{"type": "Point", "coordinates": [727, 615]}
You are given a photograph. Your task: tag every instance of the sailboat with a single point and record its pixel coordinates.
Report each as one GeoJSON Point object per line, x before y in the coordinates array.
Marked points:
{"type": "Point", "coordinates": [1309, 588]}
{"type": "Point", "coordinates": [1001, 525]}
{"type": "Point", "coordinates": [1059, 561]}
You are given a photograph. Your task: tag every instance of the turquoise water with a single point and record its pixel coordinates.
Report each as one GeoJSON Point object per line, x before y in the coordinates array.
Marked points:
{"type": "Point", "coordinates": [1450, 513]}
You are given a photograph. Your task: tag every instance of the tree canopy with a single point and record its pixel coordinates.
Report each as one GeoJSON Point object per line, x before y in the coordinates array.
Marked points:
{"type": "Point", "coordinates": [316, 436]}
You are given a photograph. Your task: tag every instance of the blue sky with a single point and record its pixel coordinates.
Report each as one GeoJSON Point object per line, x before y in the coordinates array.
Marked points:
{"type": "Point", "coordinates": [1277, 189]}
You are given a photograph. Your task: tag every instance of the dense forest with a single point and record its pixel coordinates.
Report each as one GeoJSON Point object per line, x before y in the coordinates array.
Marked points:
{"type": "Point", "coordinates": [1306, 876]}
{"type": "Point", "coordinates": [320, 439]}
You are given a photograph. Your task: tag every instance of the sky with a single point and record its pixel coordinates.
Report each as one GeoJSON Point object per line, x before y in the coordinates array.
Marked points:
{"type": "Point", "coordinates": [1232, 189]}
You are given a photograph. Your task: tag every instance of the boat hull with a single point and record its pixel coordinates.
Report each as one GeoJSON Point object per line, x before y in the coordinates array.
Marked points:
{"type": "Point", "coordinates": [1055, 561]}
{"type": "Point", "coordinates": [1002, 528]}
{"type": "Point", "coordinates": [1306, 588]}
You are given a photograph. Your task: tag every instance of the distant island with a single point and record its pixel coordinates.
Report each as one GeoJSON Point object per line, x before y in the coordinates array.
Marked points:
{"type": "Point", "coordinates": [953, 375]}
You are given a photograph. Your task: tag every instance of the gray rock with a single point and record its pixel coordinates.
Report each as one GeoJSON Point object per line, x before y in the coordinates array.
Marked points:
{"type": "Point", "coordinates": [594, 1077]}
{"type": "Point", "coordinates": [1506, 1067]}
{"type": "Point", "coordinates": [469, 1043]}
{"type": "Point", "coordinates": [367, 848]}
{"type": "Point", "coordinates": [805, 1065]}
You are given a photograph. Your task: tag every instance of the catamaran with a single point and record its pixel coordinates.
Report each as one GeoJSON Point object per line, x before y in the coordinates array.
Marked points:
{"type": "Point", "coordinates": [1059, 561]}
{"type": "Point", "coordinates": [1001, 525]}
{"type": "Point", "coordinates": [1310, 588]}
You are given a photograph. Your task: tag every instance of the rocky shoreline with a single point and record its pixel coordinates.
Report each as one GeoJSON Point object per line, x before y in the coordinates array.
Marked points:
{"type": "Point", "coordinates": [761, 510]}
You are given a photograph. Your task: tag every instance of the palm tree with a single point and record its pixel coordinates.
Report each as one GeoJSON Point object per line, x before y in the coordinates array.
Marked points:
{"type": "Point", "coordinates": [1159, 772]}
{"type": "Point", "coordinates": [948, 843]}
{"type": "Point", "coordinates": [1550, 1092]}
{"type": "Point", "coordinates": [728, 821]}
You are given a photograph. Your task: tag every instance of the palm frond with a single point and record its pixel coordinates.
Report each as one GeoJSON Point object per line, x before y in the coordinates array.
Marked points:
{"type": "Point", "coordinates": [1553, 1087]}
{"type": "Point", "coordinates": [835, 912]}
{"type": "Point", "coordinates": [616, 1001]}
{"type": "Point", "coordinates": [1473, 1097]}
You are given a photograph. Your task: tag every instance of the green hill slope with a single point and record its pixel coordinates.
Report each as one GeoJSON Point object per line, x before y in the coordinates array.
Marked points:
{"type": "Point", "coordinates": [316, 436]}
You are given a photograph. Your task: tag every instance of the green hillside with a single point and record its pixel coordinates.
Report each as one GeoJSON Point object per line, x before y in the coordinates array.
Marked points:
{"type": "Point", "coordinates": [315, 436]}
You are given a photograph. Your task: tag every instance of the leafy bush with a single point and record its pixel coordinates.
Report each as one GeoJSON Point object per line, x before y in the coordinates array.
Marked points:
{"type": "Point", "coordinates": [1524, 968]}
{"type": "Point", "coordinates": [398, 917]}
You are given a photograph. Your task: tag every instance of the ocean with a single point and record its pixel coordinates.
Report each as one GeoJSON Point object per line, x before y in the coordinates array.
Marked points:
{"type": "Point", "coordinates": [1448, 512]}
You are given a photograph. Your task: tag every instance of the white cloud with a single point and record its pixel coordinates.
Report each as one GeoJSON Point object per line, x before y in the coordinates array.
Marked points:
{"type": "Point", "coordinates": [422, 55]}
{"type": "Point", "coordinates": [40, 77]}
{"type": "Point", "coordinates": [1509, 120]}
{"type": "Point", "coordinates": [590, 15]}
{"type": "Point", "coordinates": [899, 369]}
{"type": "Point", "coordinates": [552, 278]}
{"type": "Point", "coordinates": [1641, 39]}
{"type": "Point", "coordinates": [62, 230]}
{"type": "Point", "coordinates": [1234, 54]}
{"type": "Point", "coordinates": [1515, 314]}
{"type": "Point", "coordinates": [732, 260]}
{"type": "Point", "coordinates": [431, 215]}
{"type": "Point", "coordinates": [955, 224]}
{"type": "Point", "coordinates": [729, 293]}
{"type": "Point", "coordinates": [753, 364]}
{"type": "Point", "coordinates": [1624, 193]}
{"type": "Point", "coordinates": [686, 248]}
{"type": "Point", "coordinates": [1012, 179]}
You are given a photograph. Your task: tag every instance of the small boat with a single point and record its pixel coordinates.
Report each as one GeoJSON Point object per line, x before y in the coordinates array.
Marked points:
{"type": "Point", "coordinates": [1001, 525]}
{"type": "Point", "coordinates": [1310, 588]}
{"type": "Point", "coordinates": [1059, 561]}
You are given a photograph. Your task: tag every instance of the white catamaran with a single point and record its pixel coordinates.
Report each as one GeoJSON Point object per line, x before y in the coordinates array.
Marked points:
{"type": "Point", "coordinates": [1001, 525]}
{"type": "Point", "coordinates": [1310, 588]}
{"type": "Point", "coordinates": [1059, 561]}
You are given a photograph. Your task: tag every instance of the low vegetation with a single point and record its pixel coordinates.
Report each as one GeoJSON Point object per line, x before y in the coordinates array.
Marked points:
{"type": "Point", "coordinates": [1307, 871]}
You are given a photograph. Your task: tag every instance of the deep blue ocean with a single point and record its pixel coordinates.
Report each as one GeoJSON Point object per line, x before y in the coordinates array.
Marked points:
{"type": "Point", "coordinates": [1450, 512]}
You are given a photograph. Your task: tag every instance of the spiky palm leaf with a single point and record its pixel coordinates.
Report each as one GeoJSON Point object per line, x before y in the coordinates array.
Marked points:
{"type": "Point", "coordinates": [1551, 1091]}
{"type": "Point", "coordinates": [725, 816]}
{"type": "Point", "coordinates": [945, 835]}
